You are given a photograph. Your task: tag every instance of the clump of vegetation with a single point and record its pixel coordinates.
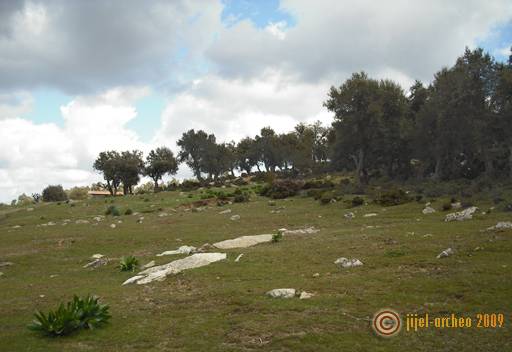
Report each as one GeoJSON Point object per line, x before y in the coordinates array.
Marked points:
{"type": "Point", "coordinates": [78, 193]}
{"type": "Point", "coordinates": [280, 189]}
{"type": "Point", "coordinates": [80, 313]}
{"type": "Point", "coordinates": [357, 201]}
{"type": "Point", "coordinates": [446, 206]}
{"type": "Point", "coordinates": [393, 197]}
{"type": "Point", "coordinates": [54, 194]}
{"type": "Point", "coordinates": [394, 253]}
{"type": "Point", "coordinates": [318, 183]}
{"type": "Point", "coordinates": [113, 210]}
{"type": "Point", "coordinates": [189, 185]}
{"type": "Point", "coordinates": [241, 195]}
{"type": "Point", "coordinates": [128, 212]}
{"type": "Point", "coordinates": [277, 237]}
{"type": "Point", "coordinates": [128, 263]}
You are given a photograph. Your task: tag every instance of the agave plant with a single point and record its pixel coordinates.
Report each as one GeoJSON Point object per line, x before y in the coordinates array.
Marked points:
{"type": "Point", "coordinates": [80, 313]}
{"type": "Point", "coordinates": [128, 263]}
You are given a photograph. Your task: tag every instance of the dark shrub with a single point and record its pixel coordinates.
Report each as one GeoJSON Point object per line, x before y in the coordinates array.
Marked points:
{"type": "Point", "coordinates": [284, 188]}
{"type": "Point", "coordinates": [418, 198]}
{"type": "Point", "coordinates": [240, 182]}
{"type": "Point", "coordinates": [54, 194]}
{"type": "Point", "coordinates": [357, 201]}
{"type": "Point", "coordinates": [393, 197]}
{"type": "Point", "coordinates": [128, 212]}
{"type": "Point", "coordinates": [315, 183]}
{"type": "Point", "coordinates": [326, 198]}
{"type": "Point", "coordinates": [189, 185]}
{"type": "Point", "coordinates": [112, 210]}
{"type": "Point", "coordinates": [241, 196]}
{"type": "Point", "coordinates": [447, 206]}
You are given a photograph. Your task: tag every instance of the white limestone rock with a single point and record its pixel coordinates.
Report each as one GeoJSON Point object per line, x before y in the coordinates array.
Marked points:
{"type": "Point", "coordinates": [446, 253]}
{"type": "Point", "coordinates": [234, 217]}
{"type": "Point", "coordinates": [281, 293]}
{"type": "Point", "coordinates": [465, 214]}
{"type": "Point", "coordinates": [180, 250]}
{"type": "Point", "coordinates": [243, 241]}
{"type": "Point", "coordinates": [348, 263]}
{"type": "Point", "coordinates": [428, 210]}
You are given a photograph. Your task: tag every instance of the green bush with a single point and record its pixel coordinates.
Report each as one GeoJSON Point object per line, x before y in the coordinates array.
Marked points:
{"type": "Point", "coordinates": [277, 237]}
{"type": "Point", "coordinates": [318, 183]}
{"type": "Point", "coordinates": [128, 263]}
{"type": "Point", "coordinates": [78, 193]}
{"type": "Point", "coordinates": [280, 189]}
{"type": "Point", "coordinates": [54, 194]}
{"type": "Point", "coordinates": [393, 197]}
{"type": "Point", "coordinates": [241, 196]}
{"type": "Point", "coordinates": [446, 206]}
{"type": "Point", "coordinates": [357, 201]}
{"type": "Point", "coordinates": [113, 210]}
{"type": "Point", "coordinates": [80, 313]}
{"type": "Point", "coordinates": [189, 185]}
{"type": "Point", "coordinates": [128, 212]}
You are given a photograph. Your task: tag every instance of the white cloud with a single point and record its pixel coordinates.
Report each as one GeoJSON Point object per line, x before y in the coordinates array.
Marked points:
{"type": "Point", "coordinates": [15, 104]}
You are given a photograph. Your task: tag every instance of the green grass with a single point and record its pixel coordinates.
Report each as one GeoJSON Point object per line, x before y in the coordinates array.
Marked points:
{"type": "Point", "coordinates": [222, 307]}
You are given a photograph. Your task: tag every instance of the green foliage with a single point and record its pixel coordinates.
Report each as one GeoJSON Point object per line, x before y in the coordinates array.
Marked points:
{"type": "Point", "coordinates": [24, 200]}
{"type": "Point", "coordinates": [357, 201]}
{"type": "Point", "coordinates": [80, 313]}
{"type": "Point", "coordinates": [159, 162]}
{"type": "Point", "coordinates": [128, 212]}
{"type": "Point", "coordinates": [113, 210]}
{"type": "Point", "coordinates": [281, 189]}
{"type": "Point", "coordinates": [446, 206]}
{"type": "Point", "coordinates": [393, 197]}
{"type": "Point", "coordinates": [277, 237]}
{"type": "Point", "coordinates": [54, 194]}
{"type": "Point", "coordinates": [241, 196]}
{"type": "Point", "coordinates": [78, 193]}
{"type": "Point", "coordinates": [128, 263]}
{"type": "Point", "coordinates": [394, 253]}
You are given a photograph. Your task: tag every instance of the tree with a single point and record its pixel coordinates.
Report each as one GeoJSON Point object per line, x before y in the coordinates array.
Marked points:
{"type": "Point", "coordinates": [268, 145]}
{"type": "Point", "coordinates": [195, 149]}
{"type": "Point", "coordinates": [108, 163]}
{"type": "Point", "coordinates": [160, 162]}
{"type": "Point", "coordinates": [54, 194]}
{"type": "Point", "coordinates": [247, 155]}
{"type": "Point", "coordinates": [131, 166]}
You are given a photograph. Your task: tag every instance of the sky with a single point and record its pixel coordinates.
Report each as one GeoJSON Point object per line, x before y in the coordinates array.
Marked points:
{"type": "Point", "coordinates": [81, 77]}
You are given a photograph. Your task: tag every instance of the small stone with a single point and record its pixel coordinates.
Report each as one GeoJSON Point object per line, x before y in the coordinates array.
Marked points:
{"type": "Point", "coordinates": [348, 263]}
{"type": "Point", "coordinates": [41, 296]}
{"type": "Point", "coordinates": [227, 211]}
{"type": "Point", "coordinates": [305, 295]}
{"type": "Point", "coordinates": [316, 275]}
{"type": "Point", "coordinates": [239, 257]}
{"type": "Point", "coordinates": [3, 264]}
{"type": "Point", "coordinates": [149, 265]}
{"type": "Point", "coordinates": [428, 210]}
{"type": "Point", "coordinates": [112, 226]}
{"type": "Point", "coordinates": [235, 217]}
{"type": "Point", "coordinates": [97, 256]}
{"type": "Point", "coordinates": [502, 225]}
{"type": "Point", "coordinates": [281, 293]}
{"type": "Point", "coordinates": [349, 215]}
{"type": "Point", "coordinates": [446, 253]}
{"type": "Point", "coordinates": [369, 215]}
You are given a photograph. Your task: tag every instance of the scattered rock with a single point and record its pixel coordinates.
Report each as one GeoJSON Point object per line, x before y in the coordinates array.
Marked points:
{"type": "Point", "coordinates": [369, 215]}
{"type": "Point", "coordinates": [98, 218]}
{"type": "Point", "coordinates": [162, 215]}
{"type": "Point", "coordinates": [235, 217]}
{"type": "Point", "coordinates": [243, 242]}
{"type": "Point", "coordinates": [239, 257]}
{"type": "Point", "coordinates": [16, 226]}
{"type": "Point", "coordinates": [502, 225]}
{"type": "Point", "coordinates": [306, 231]}
{"type": "Point", "coordinates": [139, 220]}
{"type": "Point", "coordinates": [112, 226]}
{"type": "Point", "coordinates": [160, 272]}
{"type": "Point", "coordinates": [428, 210]}
{"type": "Point", "coordinates": [97, 263]}
{"type": "Point", "coordinates": [281, 293]}
{"type": "Point", "coordinates": [205, 248]}
{"type": "Point", "coordinates": [348, 263]}
{"type": "Point", "coordinates": [51, 223]}
{"type": "Point", "coordinates": [197, 210]}
{"type": "Point", "coordinates": [446, 253]}
{"type": "Point", "coordinates": [1, 273]}
{"type": "Point", "coordinates": [149, 265]}
{"type": "Point", "coordinates": [79, 221]}
{"type": "Point", "coordinates": [456, 205]}
{"type": "Point", "coordinates": [316, 275]}
{"type": "Point", "coordinates": [466, 214]}
{"type": "Point", "coordinates": [181, 250]}
{"type": "Point", "coordinates": [227, 211]}
{"type": "Point", "coordinates": [349, 215]}
{"type": "Point", "coordinates": [305, 295]}
{"type": "Point", "coordinates": [97, 256]}
{"type": "Point", "coordinates": [30, 209]}
{"type": "Point", "coordinates": [4, 264]}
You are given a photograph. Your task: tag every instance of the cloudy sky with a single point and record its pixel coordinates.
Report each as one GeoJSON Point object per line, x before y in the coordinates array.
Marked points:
{"type": "Point", "coordinates": [79, 77]}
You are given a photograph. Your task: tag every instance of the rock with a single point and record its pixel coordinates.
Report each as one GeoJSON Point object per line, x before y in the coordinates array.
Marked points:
{"type": "Point", "coordinates": [316, 275]}
{"type": "Point", "coordinates": [227, 211]}
{"type": "Point", "coordinates": [98, 218]}
{"type": "Point", "coordinates": [243, 242]}
{"type": "Point", "coordinates": [4, 264]}
{"type": "Point", "coordinates": [16, 226]}
{"type": "Point", "coordinates": [112, 226]}
{"type": "Point", "coordinates": [1, 273]}
{"type": "Point", "coordinates": [30, 209]}
{"type": "Point", "coordinates": [466, 214]}
{"type": "Point", "coordinates": [305, 295]}
{"type": "Point", "coordinates": [160, 272]}
{"type": "Point", "coordinates": [446, 253]}
{"type": "Point", "coordinates": [369, 215]}
{"type": "Point", "coordinates": [456, 205]}
{"type": "Point", "coordinates": [97, 263]}
{"type": "Point", "coordinates": [79, 221]}
{"type": "Point", "coordinates": [235, 217]}
{"type": "Point", "coordinates": [51, 223]}
{"type": "Point", "coordinates": [281, 293]}
{"type": "Point", "coordinates": [181, 250]}
{"type": "Point", "coordinates": [139, 220]}
{"type": "Point", "coordinates": [428, 210]}
{"type": "Point", "coordinates": [271, 203]}
{"type": "Point", "coordinates": [97, 256]}
{"type": "Point", "coordinates": [197, 210]}
{"type": "Point", "coordinates": [239, 257]}
{"type": "Point", "coordinates": [502, 225]}
{"type": "Point", "coordinates": [149, 265]}
{"type": "Point", "coordinates": [205, 248]}
{"type": "Point", "coordinates": [162, 215]}
{"type": "Point", "coordinates": [349, 215]}
{"type": "Point", "coordinates": [305, 231]}
{"type": "Point", "coordinates": [119, 221]}
{"type": "Point", "coordinates": [348, 263]}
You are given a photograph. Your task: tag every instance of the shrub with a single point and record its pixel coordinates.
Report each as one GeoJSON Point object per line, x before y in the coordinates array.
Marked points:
{"type": "Point", "coordinates": [357, 201]}
{"type": "Point", "coordinates": [128, 212]}
{"type": "Point", "coordinates": [393, 197]}
{"type": "Point", "coordinates": [112, 210]}
{"type": "Point", "coordinates": [277, 237]}
{"type": "Point", "coordinates": [315, 183]}
{"type": "Point", "coordinates": [54, 194]}
{"type": "Point", "coordinates": [394, 253]}
{"type": "Point", "coordinates": [128, 263]}
{"type": "Point", "coordinates": [241, 196]}
{"type": "Point", "coordinates": [447, 206]}
{"type": "Point", "coordinates": [189, 185]}
{"type": "Point", "coordinates": [23, 200]}
{"type": "Point", "coordinates": [80, 313]}
{"type": "Point", "coordinates": [78, 193]}
{"type": "Point", "coordinates": [285, 188]}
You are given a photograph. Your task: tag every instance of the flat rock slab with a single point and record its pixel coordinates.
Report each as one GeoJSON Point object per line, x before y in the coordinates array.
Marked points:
{"type": "Point", "coordinates": [348, 263]}
{"type": "Point", "coordinates": [243, 242]}
{"type": "Point", "coordinates": [502, 225]}
{"type": "Point", "coordinates": [160, 272]}
{"type": "Point", "coordinates": [281, 293]}
{"type": "Point", "coordinates": [181, 250]}
{"type": "Point", "coordinates": [465, 214]}
{"type": "Point", "coordinates": [305, 231]}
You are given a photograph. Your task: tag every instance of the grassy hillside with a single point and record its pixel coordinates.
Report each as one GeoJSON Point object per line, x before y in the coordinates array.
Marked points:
{"type": "Point", "coordinates": [223, 307]}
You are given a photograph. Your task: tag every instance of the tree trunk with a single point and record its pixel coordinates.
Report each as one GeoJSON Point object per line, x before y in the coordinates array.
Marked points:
{"type": "Point", "coordinates": [359, 163]}
{"type": "Point", "coordinates": [155, 189]}
{"type": "Point", "coordinates": [109, 187]}
{"type": "Point", "coordinates": [510, 159]}
{"type": "Point", "coordinates": [437, 170]}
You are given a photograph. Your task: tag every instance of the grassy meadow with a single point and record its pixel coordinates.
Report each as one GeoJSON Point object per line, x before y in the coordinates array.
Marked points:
{"type": "Point", "coordinates": [223, 307]}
